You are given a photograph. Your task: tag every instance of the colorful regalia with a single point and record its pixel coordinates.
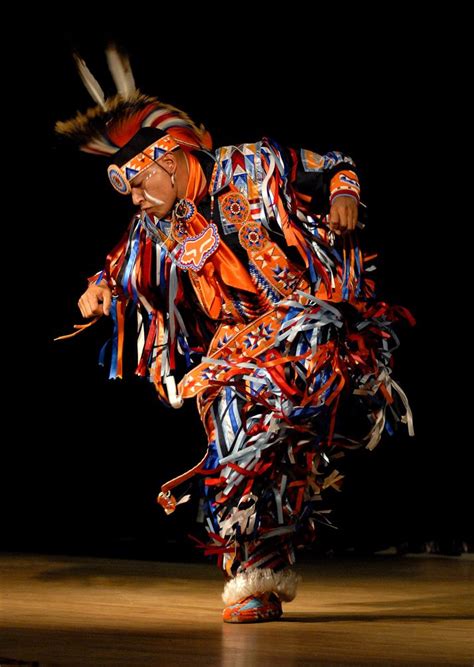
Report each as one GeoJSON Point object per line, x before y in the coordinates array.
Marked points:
{"type": "Point", "coordinates": [247, 300]}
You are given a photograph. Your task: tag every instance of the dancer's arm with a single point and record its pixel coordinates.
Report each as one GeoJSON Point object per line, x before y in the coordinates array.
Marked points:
{"type": "Point", "coordinates": [326, 185]}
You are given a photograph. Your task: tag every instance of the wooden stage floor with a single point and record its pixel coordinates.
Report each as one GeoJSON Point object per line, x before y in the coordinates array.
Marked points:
{"type": "Point", "coordinates": [383, 610]}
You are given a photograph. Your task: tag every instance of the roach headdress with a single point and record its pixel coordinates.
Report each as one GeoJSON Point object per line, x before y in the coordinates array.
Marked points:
{"type": "Point", "coordinates": [130, 128]}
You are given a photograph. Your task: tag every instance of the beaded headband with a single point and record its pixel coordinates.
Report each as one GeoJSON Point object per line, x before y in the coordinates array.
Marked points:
{"type": "Point", "coordinates": [120, 177]}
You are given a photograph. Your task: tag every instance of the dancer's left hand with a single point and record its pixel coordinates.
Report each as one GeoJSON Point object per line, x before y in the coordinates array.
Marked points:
{"type": "Point", "coordinates": [343, 214]}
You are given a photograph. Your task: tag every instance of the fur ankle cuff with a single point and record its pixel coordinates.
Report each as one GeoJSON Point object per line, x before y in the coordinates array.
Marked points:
{"type": "Point", "coordinates": [261, 580]}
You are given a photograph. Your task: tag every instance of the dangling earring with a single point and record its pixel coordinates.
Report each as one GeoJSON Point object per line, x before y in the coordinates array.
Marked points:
{"type": "Point", "coordinates": [183, 211]}
{"type": "Point", "coordinates": [173, 180]}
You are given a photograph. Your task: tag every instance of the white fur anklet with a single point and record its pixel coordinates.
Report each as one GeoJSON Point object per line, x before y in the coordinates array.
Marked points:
{"type": "Point", "coordinates": [261, 580]}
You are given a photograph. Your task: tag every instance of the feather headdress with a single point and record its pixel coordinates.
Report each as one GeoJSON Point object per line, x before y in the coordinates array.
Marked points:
{"type": "Point", "coordinates": [107, 127]}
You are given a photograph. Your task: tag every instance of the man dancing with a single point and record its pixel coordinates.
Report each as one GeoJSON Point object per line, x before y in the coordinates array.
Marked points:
{"type": "Point", "coordinates": [243, 273]}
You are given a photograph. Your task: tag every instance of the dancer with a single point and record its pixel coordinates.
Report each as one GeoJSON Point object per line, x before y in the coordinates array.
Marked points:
{"type": "Point", "coordinates": [243, 283]}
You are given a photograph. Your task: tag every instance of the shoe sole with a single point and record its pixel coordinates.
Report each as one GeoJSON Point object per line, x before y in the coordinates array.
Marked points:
{"type": "Point", "coordinates": [253, 617]}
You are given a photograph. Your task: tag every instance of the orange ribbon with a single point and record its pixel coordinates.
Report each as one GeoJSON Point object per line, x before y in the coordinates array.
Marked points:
{"type": "Point", "coordinates": [223, 264]}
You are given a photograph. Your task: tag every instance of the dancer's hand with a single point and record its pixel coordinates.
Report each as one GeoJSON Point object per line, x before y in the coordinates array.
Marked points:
{"type": "Point", "coordinates": [95, 300]}
{"type": "Point", "coordinates": [343, 214]}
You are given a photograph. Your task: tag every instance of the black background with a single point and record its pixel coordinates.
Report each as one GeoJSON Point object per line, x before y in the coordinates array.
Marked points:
{"type": "Point", "coordinates": [85, 456]}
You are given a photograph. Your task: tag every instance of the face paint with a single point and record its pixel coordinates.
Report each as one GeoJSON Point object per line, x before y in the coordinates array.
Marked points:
{"type": "Point", "coordinates": [152, 199]}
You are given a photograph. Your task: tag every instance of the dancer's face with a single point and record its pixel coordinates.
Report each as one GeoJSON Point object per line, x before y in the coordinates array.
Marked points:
{"type": "Point", "coordinates": [152, 189]}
